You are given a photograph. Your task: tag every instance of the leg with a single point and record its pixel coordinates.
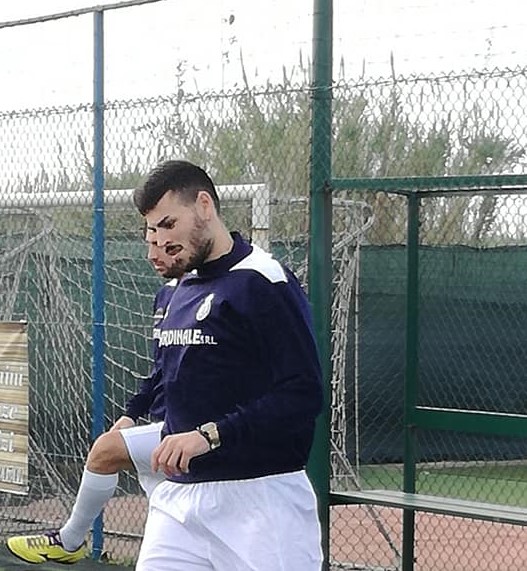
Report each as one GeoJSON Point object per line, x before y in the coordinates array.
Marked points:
{"type": "Point", "coordinates": [169, 542]}
{"type": "Point", "coordinates": [266, 524]}
{"type": "Point", "coordinates": [107, 456]}
{"type": "Point", "coordinates": [140, 442]}
{"type": "Point", "coordinates": [112, 452]}
{"type": "Point", "coordinates": [168, 546]}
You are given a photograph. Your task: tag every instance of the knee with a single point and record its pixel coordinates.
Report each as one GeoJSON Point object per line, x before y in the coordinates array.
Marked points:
{"type": "Point", "coordinates": [108, 454]}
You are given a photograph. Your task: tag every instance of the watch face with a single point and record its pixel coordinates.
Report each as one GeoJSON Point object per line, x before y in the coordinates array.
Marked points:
{"type": "Point", "coordinates": [211, 430]}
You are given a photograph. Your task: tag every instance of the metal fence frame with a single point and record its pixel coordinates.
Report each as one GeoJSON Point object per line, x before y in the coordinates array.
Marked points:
{"type": "Point", "coordinates": [322, 186]}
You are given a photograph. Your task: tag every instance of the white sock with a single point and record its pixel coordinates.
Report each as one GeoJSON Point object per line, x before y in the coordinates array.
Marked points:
{"type": "Point", "coordinates": [94, 491]}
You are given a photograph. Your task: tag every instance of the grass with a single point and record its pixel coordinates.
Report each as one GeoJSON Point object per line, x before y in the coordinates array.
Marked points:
{"type": "Point", "coordinates": [498, 483]}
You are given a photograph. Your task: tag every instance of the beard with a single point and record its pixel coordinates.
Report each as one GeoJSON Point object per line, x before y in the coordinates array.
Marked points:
{"type": "Point", "coordinates": [174, 271]}
{"type": "Point", "coordinates": [201, 253]}
{"type": "Point", "coordinates": [200, 248]}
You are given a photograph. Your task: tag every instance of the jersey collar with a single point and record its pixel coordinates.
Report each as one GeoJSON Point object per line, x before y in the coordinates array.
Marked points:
{"type": "Point", "coordinates": [240, 249]}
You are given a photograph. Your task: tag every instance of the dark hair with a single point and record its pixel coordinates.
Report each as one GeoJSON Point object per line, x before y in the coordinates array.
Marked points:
{"type": "Point", "coordinates": [182, 177]}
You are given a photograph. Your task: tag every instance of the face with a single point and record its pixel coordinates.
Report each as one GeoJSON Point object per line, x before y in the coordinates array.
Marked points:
{"type": "Point", "coordinates": [183, 230]}
{"type": "Point", "coordinates": [163, 263]}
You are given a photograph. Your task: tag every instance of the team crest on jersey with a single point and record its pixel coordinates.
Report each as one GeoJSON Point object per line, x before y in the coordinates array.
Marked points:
{"type": "Point", "coordinates": [204, 308]}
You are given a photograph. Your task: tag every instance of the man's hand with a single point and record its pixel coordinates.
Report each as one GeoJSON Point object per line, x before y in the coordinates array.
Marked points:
{"type": "Point", "coordinates": [122, 422]}
{"type": "Point", "coordinates": [176, 451]}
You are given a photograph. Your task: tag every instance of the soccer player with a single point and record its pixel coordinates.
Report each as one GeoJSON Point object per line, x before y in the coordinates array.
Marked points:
{"type": "Point", "coordinates": [124, 447]}
{"type": "Point", "coordinates": [242, 391]}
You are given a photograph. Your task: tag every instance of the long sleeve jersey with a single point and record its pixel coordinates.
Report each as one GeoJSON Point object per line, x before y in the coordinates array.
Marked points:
{"type": "Point", "coordinates": [240, 351]}
{"type": "Point", "coordinates": [150, 398]}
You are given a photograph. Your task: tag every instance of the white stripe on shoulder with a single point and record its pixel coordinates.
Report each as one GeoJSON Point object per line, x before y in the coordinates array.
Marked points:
{"type": "Point", "coordinates": [262, 262]}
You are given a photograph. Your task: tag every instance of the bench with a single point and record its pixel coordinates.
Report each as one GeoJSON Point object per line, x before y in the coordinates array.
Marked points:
{"type": "Point", "coordinates": [433, 504]}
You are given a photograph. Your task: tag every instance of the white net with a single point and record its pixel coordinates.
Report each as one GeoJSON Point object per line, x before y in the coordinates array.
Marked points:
{"type": "Point", "coordinates": [351, 220]}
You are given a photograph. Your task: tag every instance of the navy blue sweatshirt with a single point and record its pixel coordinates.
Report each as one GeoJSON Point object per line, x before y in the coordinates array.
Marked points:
{"type": "Point", "coordinates": [238, 348]}
{"type": "Point", "coordinates": [150, 399]}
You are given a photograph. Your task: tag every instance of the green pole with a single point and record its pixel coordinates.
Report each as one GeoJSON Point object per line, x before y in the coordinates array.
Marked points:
{"type": "Point", "coordinates": [411, 377]}
{"type": "Point", "coordinates": [320, 273]}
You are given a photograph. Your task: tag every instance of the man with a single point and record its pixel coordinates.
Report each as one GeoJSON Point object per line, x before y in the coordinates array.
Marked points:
{"type": "Point", "coordinates": [242, 391]}
{"type": "Point", "coordinates": [123, 447]}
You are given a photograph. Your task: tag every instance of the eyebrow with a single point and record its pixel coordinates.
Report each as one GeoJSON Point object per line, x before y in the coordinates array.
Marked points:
{"type": "Point", "coordinates": [165, 222]}
{"type": "Point", "coordinates": [159, 224]}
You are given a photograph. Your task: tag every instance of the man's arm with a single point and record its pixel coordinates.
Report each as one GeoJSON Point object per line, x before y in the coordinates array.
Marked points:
{"type": "Point", "coordinates": [284, 326]}
{"type": "Point", "coordinates": [139, 404]}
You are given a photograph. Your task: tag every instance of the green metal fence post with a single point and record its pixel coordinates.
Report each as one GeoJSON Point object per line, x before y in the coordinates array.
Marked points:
{"type": "Point", "coordinates": [320, 275]}
{"type": "Point", "coordinates": [410, 384]}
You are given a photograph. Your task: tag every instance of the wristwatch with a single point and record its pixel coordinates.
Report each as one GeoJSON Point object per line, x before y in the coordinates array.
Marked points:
{"type": "Point", "coordinates": [209, 431]}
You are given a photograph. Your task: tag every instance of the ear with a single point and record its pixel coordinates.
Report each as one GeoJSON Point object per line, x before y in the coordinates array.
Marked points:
{"type": "Point", "coordinates": [205, 205]}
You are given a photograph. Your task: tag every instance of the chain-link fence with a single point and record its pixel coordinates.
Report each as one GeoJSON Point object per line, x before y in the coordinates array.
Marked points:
{"type": "Point", "coordinates": [404, 136]}
{"type": "Point", "coordinates": [471, 346]}
{"type": "Point", "coordinates": [46, 262]}
{"type": "Point", "coordinates": [46, 273]}
{"type": "Point", "coordinates": [256, 145]}
{"type": "Point", "coordinates": [471, 287]}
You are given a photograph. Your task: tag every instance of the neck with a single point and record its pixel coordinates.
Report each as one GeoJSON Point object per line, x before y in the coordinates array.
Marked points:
{"type": "Point", "coordinates": [223, 244]}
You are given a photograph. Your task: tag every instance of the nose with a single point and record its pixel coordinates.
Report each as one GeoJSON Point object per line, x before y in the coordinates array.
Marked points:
{"type": "Point", "coordinates": [153, 252]}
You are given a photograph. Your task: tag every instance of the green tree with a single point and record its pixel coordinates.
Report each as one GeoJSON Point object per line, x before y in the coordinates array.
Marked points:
{"type": "Point", "coordinates": [382, 128]}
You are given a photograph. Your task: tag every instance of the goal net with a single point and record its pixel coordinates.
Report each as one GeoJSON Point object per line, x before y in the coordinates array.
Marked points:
{"type": "Point", "coordinates": [351, 220]}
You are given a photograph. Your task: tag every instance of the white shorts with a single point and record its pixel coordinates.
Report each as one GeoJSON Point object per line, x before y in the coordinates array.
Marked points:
{"type": "Point", "coordinates": [263, 524]}
{"type": "Point", "coordinates": [140, 442]}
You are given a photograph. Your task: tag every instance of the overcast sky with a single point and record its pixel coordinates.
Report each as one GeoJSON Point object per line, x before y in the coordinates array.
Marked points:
{"type": "Point", "coordinates": [50, 64]}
